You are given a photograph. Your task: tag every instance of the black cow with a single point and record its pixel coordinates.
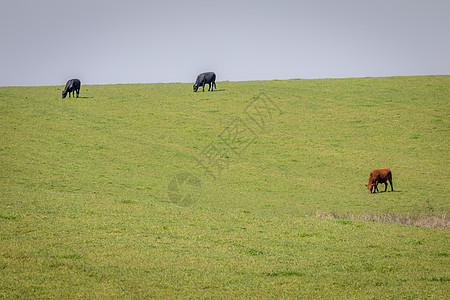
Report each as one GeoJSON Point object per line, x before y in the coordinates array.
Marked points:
{"type": "Point", "coordinates": [205, 78]}
{"type": "Point", "coordinates": [72, 86]}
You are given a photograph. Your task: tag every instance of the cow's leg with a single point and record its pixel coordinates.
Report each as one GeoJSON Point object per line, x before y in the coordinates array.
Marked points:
{"type": "Point", "coordinates": [376, 186]}
{"type": "Point", "coordinates": [209, 86]}
{"type": "Point", "coordinates": [392, 187]}
{"type": "Point", "coordinates": [78, 93]}
{"type": "Point", "coordinates": [203, 87]}
{"type": "Point", "coordinates": [385, 186]}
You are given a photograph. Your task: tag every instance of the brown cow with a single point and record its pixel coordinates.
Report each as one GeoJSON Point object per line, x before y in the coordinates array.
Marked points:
{"type": "Point", "coordinates": [379, 176]}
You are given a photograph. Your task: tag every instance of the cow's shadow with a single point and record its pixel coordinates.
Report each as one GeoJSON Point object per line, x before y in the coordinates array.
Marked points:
{"type": "Point", "coordinates": [219, 90]}
{"type": "Point", "coordinates": [86, 97]}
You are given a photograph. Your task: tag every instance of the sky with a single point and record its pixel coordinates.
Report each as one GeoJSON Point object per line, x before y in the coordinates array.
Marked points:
{"type": "Point", "coordinates": [48, 42]}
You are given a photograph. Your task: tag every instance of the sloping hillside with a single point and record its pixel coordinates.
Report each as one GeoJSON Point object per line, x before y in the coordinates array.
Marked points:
{"type": "Point", "coordinates": [151, 190]}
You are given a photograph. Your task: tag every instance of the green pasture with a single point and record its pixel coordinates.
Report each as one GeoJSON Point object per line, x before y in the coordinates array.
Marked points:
{"type": "Point", "coordinates": [153, 191]}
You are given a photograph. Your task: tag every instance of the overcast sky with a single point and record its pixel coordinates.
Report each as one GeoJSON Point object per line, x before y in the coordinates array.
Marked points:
{"type": "Point", "coordinates": [47, 42]}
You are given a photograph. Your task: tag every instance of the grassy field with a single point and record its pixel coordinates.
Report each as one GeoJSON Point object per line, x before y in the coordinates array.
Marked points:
{"type": "Point", "coordinates": [151, 190]}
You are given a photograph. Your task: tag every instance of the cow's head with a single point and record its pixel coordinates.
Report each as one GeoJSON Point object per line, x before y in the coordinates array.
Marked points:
{"type": "Point", "coordinates": [64, 94]}
{"type": "Point", "coordinates": [195, 87]}
{"type": "Point", "coordinates": [369, 187]}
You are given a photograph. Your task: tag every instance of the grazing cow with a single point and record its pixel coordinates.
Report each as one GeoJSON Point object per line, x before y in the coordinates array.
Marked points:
{"type": "Point", "coordinates": [72, 86]}
{"type": "Point", "coordinates": [379, 176]}
{"type": "Point", "coordinates": [205, 78]}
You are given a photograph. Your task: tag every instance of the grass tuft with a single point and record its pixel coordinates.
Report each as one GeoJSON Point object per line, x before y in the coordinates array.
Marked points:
{"type": "Point", "coordinates": [414, 219]}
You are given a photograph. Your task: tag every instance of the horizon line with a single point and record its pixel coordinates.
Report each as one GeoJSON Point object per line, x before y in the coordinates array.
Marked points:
{"type": "Point", "coordinates": [250, 80]}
